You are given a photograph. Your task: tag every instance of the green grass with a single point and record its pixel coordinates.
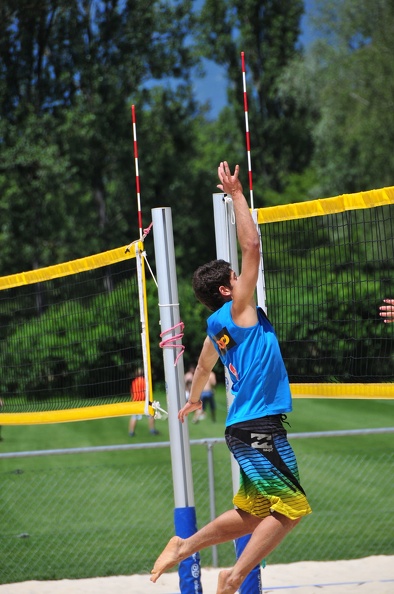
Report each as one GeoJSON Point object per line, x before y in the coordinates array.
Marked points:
{"type": "Point", "coordinates": [99, 514]}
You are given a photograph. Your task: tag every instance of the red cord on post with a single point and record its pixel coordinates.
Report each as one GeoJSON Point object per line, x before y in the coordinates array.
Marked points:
{"type": "Point", "coordinates": [167, 342]}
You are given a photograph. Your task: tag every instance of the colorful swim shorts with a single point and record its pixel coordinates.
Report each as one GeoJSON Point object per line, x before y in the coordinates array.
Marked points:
{"type": "Point", "coordinates": [269, 478]}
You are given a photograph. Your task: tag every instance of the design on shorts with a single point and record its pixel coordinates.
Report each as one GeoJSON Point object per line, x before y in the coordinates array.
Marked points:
{"type": "Point", "coordinates": [261, 441]}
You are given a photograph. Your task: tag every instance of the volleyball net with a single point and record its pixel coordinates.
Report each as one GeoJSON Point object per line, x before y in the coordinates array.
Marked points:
{"type": "Point", "coordinates": [73, 336]}
{"type": "Point", "coordinates": [328, 264]}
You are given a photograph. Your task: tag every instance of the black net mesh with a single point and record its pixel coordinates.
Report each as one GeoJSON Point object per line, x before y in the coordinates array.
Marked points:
{"type": "Point", "coordinates": [70, 342]}
{"type": "Point", "coordinates": [325, 279]}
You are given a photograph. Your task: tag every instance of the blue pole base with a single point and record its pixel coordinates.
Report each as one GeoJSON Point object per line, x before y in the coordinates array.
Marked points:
{"type": "Point", "coordinates": [252, 583]}
{"type": "Point", "coordinates": [189, 569]}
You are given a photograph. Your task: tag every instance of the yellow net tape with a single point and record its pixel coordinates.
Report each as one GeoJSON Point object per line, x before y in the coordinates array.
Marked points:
{"type": "Point", "coordinates": [67, 268]}
{"type": "Point", "coordinates": [76, 414]}
{"type": "Point", "coordinates": [326, 206]}
{"type": "Point", "coordinates": [356, 391]}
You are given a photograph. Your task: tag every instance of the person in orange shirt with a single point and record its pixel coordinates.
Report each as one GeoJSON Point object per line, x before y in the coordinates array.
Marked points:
{"type": "Point", "coordinates": [137, 393]}
{"type": "Point", "coordinates": [137, 387]}
{"type": "Point", "coordinates": [1, 404]}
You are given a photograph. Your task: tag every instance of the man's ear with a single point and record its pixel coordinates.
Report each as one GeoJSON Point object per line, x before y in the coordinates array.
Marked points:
{"type": "Point", "coordinates": [225, 291]}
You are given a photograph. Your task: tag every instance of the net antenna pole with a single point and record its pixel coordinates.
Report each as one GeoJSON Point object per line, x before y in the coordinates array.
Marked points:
{"type": "Point", "coordinates": [140, 254]}
{"type": "Point", "coordinates": [247, 131]}
{"type": "Point", "coordinates": [261, 293]}
{"type": "Point", "coordinates": [137, 173]}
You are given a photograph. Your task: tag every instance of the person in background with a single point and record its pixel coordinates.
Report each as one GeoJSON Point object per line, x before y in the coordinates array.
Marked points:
{"type": "Point", "coordinates": [208, 399]}
{"type": "Point", "coordinates": [137, 393]}
{"type": "Point", "coordinates": [188, 385]}
{"type": "Point", "coordinates": [271, 500]}
{"type": "Point", "coordinates": [188, 380]}
{"type": "Point", "coordinates": [189, 374]}
{"type": "Point", "coordinates": [387, 311]}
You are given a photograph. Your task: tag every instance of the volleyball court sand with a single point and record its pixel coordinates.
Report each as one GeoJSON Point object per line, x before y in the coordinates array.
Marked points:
{"type": "Point", "coordinates": [373, 575]}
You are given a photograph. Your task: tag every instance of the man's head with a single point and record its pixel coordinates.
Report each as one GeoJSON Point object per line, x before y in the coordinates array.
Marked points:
{"type": "Point", "coordinates": [207, 281]}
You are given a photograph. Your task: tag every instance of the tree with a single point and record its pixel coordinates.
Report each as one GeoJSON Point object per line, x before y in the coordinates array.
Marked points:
{"type": "Point", "coordinates": [268, 32]}
{"type": "Point", "coordinates": [69, 71]}
{"type": "Point", "coordinates": [348, 79]}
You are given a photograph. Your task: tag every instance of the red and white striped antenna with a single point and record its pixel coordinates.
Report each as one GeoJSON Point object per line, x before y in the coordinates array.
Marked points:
{"type": "Point", "coordinates": [137, 174]}
{"type": "Point", "coordinates": [247, 131]}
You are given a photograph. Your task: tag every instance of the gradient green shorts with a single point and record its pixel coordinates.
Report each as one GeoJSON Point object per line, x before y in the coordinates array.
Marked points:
{"type": "Point", "coordinates": [269, 478]}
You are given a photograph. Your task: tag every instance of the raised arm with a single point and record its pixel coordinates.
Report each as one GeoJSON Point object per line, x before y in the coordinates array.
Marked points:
{"type": "Point", "coordinates": [243, 290]}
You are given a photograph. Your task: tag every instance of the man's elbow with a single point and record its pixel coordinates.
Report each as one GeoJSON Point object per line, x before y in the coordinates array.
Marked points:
{"type": "Point", "coordinates": [252, 246]}
{"type": "Point", "coordinates": [203, 369]}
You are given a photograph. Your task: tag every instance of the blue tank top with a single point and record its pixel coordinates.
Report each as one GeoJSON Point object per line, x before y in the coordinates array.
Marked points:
{"type": "Point", "coordinates": [260, 384]}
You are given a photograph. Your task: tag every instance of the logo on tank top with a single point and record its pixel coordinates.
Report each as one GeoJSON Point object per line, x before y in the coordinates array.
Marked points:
{"type": "Point", "coordinates": [262, 441]}
{"type": "Point", "coordinates": [233, 370]}
{"type": "Point", "coordinates": [224, 340]}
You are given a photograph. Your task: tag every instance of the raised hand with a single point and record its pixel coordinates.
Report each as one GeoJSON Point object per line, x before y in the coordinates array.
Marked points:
{"type": "Point", "coordinates": [230, 183]}
{"type": "Point", "coordinates": [387, 311]}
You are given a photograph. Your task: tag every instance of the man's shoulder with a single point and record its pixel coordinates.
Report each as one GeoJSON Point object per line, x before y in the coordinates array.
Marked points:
{"type": "Point", "coordinates": [220, 313]}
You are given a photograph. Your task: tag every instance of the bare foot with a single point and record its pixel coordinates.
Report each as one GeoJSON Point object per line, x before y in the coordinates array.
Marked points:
{"type": "Point", "coordinates": [168, 558]}
{"type": "Point", "coordinates": [225, 583]}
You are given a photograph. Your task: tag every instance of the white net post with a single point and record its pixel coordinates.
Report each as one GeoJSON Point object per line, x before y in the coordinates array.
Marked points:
{"type": "Point", "coordinates": [226, 249]}
{"type": "Point", "coordinates": [174, 374]}
{"type": "Point", "coordinates": [261, 294]}
{"type": "Point", "coordinates": [184, 513]}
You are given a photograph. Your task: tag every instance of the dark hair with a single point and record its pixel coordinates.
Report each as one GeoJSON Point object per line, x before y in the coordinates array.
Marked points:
{"type": "Point", "coordinates": [206, 282]}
